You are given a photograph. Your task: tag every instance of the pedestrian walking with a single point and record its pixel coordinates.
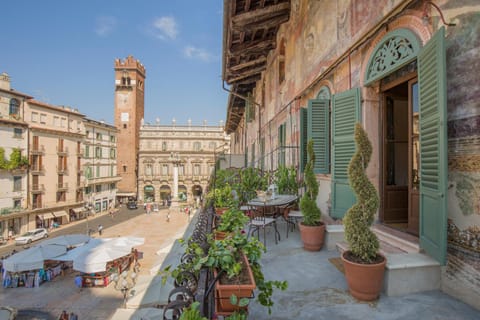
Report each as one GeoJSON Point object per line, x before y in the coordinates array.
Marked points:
{"type": "Point", "coordinates": [73, 316]}
{"type": "Point", "coordinates": [63, 316]}
{"type": "Point", "coordinates": [100, 229]}
{"type": "Point", "coordinates": [111, 213]}
{"type": "Point", "coordinates": [79, 282]}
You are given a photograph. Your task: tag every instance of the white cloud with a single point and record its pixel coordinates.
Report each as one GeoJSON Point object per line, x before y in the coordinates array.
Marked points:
{"type": "Point", "coordinates": [197, 53]}
{"type": "Point", "coordinates": [165, 28]}
{"type": "Point", "coordinates": [105, 25]}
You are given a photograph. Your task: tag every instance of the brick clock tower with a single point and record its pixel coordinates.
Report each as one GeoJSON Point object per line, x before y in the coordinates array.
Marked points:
{"type": "Point", "coordinates": [129, 111]}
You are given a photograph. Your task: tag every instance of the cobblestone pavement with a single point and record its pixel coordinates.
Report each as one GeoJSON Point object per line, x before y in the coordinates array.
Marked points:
{"type": "Point", "coordinates": [48, 301]}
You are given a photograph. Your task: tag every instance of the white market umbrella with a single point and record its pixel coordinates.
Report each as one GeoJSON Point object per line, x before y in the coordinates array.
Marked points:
{"type": "Point", "coordinates": [74, 253]}
{"type": "Point", "coordinates": [96, 259]}
{"type": "Point", "coordinates": [69, 240]}
{"type": "Point", "coordinates": [33, 258]}
{"type": "Point", "coordinates": [127, 242]}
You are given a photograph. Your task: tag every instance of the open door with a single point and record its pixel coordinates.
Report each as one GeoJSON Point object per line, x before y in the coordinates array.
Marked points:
{"type": "Point", "coordinates": [433, 147]}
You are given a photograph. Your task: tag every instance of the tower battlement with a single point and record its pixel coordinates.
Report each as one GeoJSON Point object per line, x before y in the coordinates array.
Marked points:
{"type": "Point", "coordinates": [130, 63]}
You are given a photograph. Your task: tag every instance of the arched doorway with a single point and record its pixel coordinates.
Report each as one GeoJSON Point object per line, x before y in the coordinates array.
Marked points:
{"type": "Point", "coordinates": [413, 139]}
{"type": "Point", "coordinates": [165, 192]}
{"type": "Point", "coordinates": [182, 193]}
{"type": "Point", "coordinates": [149, 193]}
{"type": "Point", "coordinates": [197, 191]}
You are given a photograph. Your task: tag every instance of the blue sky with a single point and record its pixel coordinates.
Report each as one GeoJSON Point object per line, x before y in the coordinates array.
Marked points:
{"type": "Point", "coordinates": [62, 52]}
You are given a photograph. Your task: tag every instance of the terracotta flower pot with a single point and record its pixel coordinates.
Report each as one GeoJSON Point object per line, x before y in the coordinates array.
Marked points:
{"type": "Point", "coordinates": [312, 236]}
{"type": "Point", "coordinates": [220, 210]}
{"type": "Point", "coordinates": [365, 281]}
{"type": "Point", "coordinates": [241, 290]}
{"type": "Point", "coordinates": [220, 235]}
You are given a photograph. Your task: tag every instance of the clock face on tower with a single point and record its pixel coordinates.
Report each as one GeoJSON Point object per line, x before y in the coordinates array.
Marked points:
{"type": "Point", "coordinates": [122, 98]}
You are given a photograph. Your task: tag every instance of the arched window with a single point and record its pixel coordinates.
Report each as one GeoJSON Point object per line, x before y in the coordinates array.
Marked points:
{"type": "Point", "coordinates": [395, 50]}
{"type": "Point", "coordinates": [281, 62]}
{"type": "Point", "coordinates": [315, 123]}
{"type": "Point", "coordinates": [14, 107]}
{"type": "Point", "coordinates": [196, 146]}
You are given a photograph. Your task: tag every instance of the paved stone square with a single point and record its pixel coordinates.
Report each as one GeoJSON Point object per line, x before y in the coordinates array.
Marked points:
{"type": "Point", "coordinates": [48, 301]}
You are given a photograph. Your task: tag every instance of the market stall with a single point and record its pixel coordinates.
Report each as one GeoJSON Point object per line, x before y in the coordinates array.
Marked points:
{"type": "Point", "coordinates": [31, 267]}
{"type": "Point", "coordinates": [100, 258]}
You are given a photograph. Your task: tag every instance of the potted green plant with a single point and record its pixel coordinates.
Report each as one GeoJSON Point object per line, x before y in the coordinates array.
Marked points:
{"type": "Point", "coordinates": [312, 229]}
{"type": "Point", "coordinates": [286, 180]}
{"type": "Point", "coordinates": [237, 258]}
{"type": "Point", "coordinates": [223, 199]}
{"type": "Point", "coordinates": [192, 312]}
{"type": "Point", "coordinates": [251, 179]}
{"type": "Point", "coordinates": [364, 265]}
{"type": "Point", "coordinates": [231, 220]}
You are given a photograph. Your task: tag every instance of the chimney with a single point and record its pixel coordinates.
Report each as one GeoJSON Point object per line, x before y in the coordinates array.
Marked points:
{"type": "Point", "coordinates": [5, 81]}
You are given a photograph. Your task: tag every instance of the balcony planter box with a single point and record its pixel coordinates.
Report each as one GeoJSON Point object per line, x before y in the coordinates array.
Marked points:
{"type": "Point", "coordinates": [241, 286]}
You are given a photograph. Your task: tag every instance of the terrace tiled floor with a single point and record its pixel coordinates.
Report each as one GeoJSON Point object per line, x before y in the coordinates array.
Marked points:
{"type": "Point", "coordinates": [318, 290]}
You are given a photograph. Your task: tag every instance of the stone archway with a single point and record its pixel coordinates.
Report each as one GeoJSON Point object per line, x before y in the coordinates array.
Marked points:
{"type": "Point", "coordinates": [182, 192]}
{"type": "Point", "coordinates": [149, 193]}
{"type": "Point", "coordinates": [165, 192]}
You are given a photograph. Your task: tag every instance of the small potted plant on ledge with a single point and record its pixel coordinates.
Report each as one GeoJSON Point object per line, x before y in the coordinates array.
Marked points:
{"type": "Point", "coordinates": [231, 220]}
{"type": "Point", "coordinates": [237, 258]}
{"type": "Point", "coordinates": [223, 199]}
{"type": "Point", "coordinates": [312, 229]}
{"type": "Point", "coordinates": [364, 265]}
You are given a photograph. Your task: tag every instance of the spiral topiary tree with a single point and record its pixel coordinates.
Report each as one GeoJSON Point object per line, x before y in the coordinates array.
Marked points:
{"type": "Point", "coordinates": [308, 202]}
{"type": "Point", "coordinates": [363, 242]}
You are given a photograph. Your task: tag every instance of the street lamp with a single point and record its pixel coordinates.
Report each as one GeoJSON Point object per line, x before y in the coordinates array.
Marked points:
{"type": "Point", "coordinates": [124, 283]}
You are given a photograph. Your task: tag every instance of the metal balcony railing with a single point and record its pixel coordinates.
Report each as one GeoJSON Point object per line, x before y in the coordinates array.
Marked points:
{"type": "Point", "coordinates": [62, 170]}
{"type": "Point", "coordinates": [37, 149]}
{"type": "Point", "coordinates": [62, 186]}
{"type": "Point", "coordinates": [38, 188]}
{"type": "Point", "coordinates": [36, 169]}
{"type": "Point", "coordinates": [62, 150]}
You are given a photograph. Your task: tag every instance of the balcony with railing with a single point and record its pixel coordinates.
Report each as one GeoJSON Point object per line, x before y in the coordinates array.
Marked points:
{"type": "Point", "coordinates": [38, 188]}
{"type": "Point", "coordinates": [62, 151]}
{"type": "Point", "coordinates": [62, 170]}
{"type": "Point", "coordinates": [37, 169]}
{"type": "Point", "coordinates": [37, 149]}
{"type": "Point", "coordinates": [62, 186]}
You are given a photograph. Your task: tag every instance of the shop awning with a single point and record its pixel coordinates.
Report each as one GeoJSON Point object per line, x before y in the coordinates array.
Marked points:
{"type": "Point", "coordinates": [125, 194]}
{"type": "Point", "coordinates": [46, 215]}
{"type": "Point", "coordinates": [59, 214]}
{"type": "Point", "coordinates": [78, 210]}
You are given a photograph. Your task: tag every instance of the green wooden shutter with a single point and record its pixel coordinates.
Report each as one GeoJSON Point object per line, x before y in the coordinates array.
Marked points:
{"type": "Point", "coordinates": [318, 131]}
{"type": "Point", "coordinates": [303, 138]}
{"type": "Point", "coordinates": [262, 154]}
{"type": "Point", "coordinates": [281, 143]}
{"type": "Point", "coordinates": [346, 112]}
{"type": "Point", "coordinates": [433, 147]}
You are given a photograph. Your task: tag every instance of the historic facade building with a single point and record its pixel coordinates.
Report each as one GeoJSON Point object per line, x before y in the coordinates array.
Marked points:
{"type": "Point", "coordinates": [13, 172]}
{"type": "Point", "coordinates": [55, 147]}
{"type": "Point", "coordinates": [100, 164]}
{"type": "Point", "coordinates": [129, 111]}
{"type": "Point", "coordinates": [43, 172]}
{"type": "Point", "coordinates": [301, 70]}
{"type": "Point", "coordinates": [189, 150]}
